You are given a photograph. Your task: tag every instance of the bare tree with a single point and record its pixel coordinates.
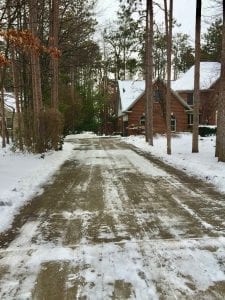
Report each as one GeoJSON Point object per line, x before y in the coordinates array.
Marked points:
{"type": "Point", "coordinates": [220, 138]}
{"type": "Point", "coordinates": [195, 147]}
{"type": "Point", "coordinates": [149, 72]}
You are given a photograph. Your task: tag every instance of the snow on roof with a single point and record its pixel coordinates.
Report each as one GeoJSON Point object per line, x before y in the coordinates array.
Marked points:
{"type": "Point", "coordinates": [209, 73]}
{"type": "Point", "coordinates": [10, 101]}
{"type": "Point", "coordinates": [129, 91]}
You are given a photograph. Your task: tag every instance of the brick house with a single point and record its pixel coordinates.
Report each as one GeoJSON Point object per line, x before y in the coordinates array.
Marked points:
{"type": "Point", "coordinates": [131, 108]}
{"type": "Point", "coordinates": [10, 109]}
{"type": "Point", "coordinates": [131, 101]}
{"type": "Point", "coordinates": [209, 84]}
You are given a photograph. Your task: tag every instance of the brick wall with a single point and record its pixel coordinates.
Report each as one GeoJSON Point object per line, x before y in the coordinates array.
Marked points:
{"type": "Point", "coordinates": [158, 119]}
{"type": "Point", "coordinates": [208, 104]}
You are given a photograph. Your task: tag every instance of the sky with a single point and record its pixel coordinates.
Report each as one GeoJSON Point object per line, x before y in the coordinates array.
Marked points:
{"type": "Point", "coordinates": [184, 12]}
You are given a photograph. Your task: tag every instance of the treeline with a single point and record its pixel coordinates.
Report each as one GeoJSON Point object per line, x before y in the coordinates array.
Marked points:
{"type": "Point", "coordinates": [51, 62]}
{"type": "Point", "coordinates": [124, 43]}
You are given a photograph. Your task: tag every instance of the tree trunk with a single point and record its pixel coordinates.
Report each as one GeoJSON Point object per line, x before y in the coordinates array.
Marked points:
{"type": "Point", "coordinates": [13, 124]}
{"type": "Point", "coordinates": [196, 77]}
{"type": "Point", "coordinates": [169, 25]}
{"type": "Point", "coordinates": [3, 119]}
{"type": "Point", "coordinates": [54, 67]}
{"type": "Point", "coordinates": [149, 72]}
{"type": "Point", "coordinates": [124, 58]}
{"type": "Point", "coordinates": [220, 138]}
{"type": "Point", "coordinates": [16, 92]}
{"type": "Point", "coordinates": [2, 80]}
{"type": "Point", "coordinates": [72, 91]}
{"type": "Point", "coordinates": [6, 133]}
{"type": "Point", "coordinates": [36, 77]}
{"type": "Point", "coordinates": [54, 31]}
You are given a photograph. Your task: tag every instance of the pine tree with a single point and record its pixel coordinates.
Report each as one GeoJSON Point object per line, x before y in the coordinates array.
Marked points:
{"type": "Point", "coordinates": [212, 42]}
{"type": "Point", "coordinates": [124, 40]}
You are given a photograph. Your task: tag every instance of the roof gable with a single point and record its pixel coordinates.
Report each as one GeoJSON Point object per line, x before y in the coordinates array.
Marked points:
{"type": "Point", "coordinates": [158, 81]}
{"type": "Point", "coordinates": [10, 102]}
{"type": "Point", "coordinates": [209, 74]}
{"type": "Point", "coordinates": [129, 91]}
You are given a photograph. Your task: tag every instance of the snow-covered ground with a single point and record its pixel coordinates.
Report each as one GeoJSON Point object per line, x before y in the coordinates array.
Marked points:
{"type": "Point", "coordinates": [21, 177]}
{"type": "Point", "coordinates": [203, 164]}
{"type": "Point", "coordinates": [120, 228]}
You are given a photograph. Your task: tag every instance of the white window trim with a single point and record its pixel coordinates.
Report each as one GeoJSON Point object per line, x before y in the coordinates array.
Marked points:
{"type": "Point", "coordinates": [175, 124]}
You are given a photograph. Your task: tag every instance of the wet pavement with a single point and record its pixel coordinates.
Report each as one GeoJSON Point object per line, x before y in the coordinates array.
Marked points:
{"type": "Point", "coordinates": [116, 223]}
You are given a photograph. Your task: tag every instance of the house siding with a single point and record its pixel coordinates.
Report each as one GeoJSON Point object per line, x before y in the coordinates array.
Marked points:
{"type": "Point", "coordinates": [208, 104]}
{"type": "Point", "coordinates": [208, 108]}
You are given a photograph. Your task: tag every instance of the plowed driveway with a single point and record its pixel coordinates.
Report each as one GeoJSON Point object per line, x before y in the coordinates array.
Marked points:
{"type": "Point", "coordinates": [115, 223]}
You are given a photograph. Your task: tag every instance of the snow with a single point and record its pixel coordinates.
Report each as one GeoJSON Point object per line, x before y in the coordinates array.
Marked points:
{"type": "Point", "coordinates": [21, 177]}
{"type": "Point", "coordinates": [173, 264]}
{"type": "Point", "coordinates": [129, 91]}
{"type": "Point", "coordinates": [204, 165]}
{"type": "Point", "coordinates": [9, 99]}
{"type": "Point", "coordinates": [209, 73]}
{"type": "Point", "coordinates": [100, 157]}
{"type": "Point", "coordinates": [180, 267]}
{"type": "Point", "coordinates": [84, 135]}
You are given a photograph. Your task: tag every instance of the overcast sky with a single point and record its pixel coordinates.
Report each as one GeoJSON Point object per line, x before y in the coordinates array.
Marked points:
{"type": "Point", "coordinates": [184, 13]}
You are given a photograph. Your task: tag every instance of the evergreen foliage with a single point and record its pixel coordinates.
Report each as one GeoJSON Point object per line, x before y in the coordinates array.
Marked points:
{"type": "Point", "coordinates": [212, 42]}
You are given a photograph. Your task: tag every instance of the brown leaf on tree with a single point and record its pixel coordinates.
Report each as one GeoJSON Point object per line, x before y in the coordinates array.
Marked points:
{"type": "Point", "coordinates": [26, 41]}
{"type": "Point", "coordinates": [3, 60]}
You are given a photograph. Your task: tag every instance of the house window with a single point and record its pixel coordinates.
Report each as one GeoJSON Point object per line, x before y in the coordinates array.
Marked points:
{"type": "Point", "coordinates": [173, 124]}
{"type": "Point", "coordinates": [9, 123]}
{"type": "Point", "coordinates": [190, 119]}
{"type": "Point", "coordinates": [125, 118]}
{"type": "Point", "coordinates": [157, 95]}
{"type": "Point", "coordinates": [142, 120]}
{"type": "Point", "coordinates": [190, 98]}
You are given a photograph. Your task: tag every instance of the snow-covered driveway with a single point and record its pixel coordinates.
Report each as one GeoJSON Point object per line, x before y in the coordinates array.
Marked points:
{"type": "Point", "coordinates": [116, 225]}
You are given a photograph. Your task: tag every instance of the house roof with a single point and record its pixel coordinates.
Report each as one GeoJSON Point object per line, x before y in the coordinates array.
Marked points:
{"type": "Point", "coordinates": [10, 101]}
{"type": "Point", "coordinates": [209, 74]}
{"type": "Point", "coordinates": [129, 91]}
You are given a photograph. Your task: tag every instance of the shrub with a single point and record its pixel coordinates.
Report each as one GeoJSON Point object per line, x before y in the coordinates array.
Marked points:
{"type": "Point", "coordinates": [207, 130]}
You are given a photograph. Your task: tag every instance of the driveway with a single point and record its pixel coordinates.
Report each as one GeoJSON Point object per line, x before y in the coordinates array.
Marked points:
{"type": "Point", "coordinates": [116, 223]}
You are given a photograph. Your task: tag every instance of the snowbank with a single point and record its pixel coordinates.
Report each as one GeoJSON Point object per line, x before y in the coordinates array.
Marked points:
{"type": "Point", "coordinates": [21, 177]}
{"type": "Point", "coordinates": [203, 164]}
